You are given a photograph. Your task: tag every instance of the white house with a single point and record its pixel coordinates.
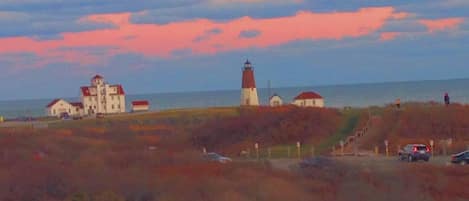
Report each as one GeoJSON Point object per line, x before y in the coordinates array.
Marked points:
{"type": "Point", "coordinates": [140, 106]}
{"type": "Point", "coordinates": [59, 107]}
{"type": "Point", "coordinates": [275, 101]}
{"type": "Point", "coordinates": [309, 99]}
{"type": "Point", "coordinates": [101, 97]}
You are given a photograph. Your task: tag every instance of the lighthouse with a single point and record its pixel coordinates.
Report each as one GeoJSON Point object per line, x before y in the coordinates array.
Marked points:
{"type": "Point", "coordinates": [249, 91]}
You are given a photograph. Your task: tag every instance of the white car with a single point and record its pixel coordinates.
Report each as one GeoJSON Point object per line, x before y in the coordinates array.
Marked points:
{"type": "Point", "coordinates": [217, 157]}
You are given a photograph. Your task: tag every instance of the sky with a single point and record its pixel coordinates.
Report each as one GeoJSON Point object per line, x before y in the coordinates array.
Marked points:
{"type": "Point", "coordinates": [49, 48]}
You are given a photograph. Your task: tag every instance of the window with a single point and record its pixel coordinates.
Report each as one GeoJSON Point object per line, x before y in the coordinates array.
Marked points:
{"type": "Point", "coordinates": [53, 112]}
{"type": "Point", "coordinates": [89, 99]}
{"type": "Point", "coordinates": [69, 111]}
{"type": "Point", "coordinates": [314, 102]}
{"type": "Point", "coordinates": [119, 106]}
{"type": "Point", "coordinates": [112, 106]}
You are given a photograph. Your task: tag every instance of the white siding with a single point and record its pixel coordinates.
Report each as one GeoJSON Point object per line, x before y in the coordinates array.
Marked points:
{"type": "Point", "coordinates": [309, 102]}
{"type": "Point", "coordinates": [249, 97]}
{"type": "Point", "coordinates": [63, 106]}
{"type": "Point", "coordinates": [275, 101]}
{"type": "Point", "coordinates": [106, 99]}
{"type": "Point", "coordinates": [138, 108]}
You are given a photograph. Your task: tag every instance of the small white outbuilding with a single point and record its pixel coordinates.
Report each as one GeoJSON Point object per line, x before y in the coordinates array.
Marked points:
{"type": "Point", "coordinates": [275, 101]}
{"type": "Point", "coordinates": [140, 106]}
{"type": "Point", "coordinates": [60, 107]}
{"type": "Point", "coordinates": [309, 99]}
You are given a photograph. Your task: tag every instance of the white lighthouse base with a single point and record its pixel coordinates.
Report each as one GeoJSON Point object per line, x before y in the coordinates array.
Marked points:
{"type": "Point", "coordinates": [249, 97]}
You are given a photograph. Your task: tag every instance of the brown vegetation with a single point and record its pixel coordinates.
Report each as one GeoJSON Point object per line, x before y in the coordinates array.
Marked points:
{"type": "Point", "coordinates": [419, 123]}
{"type": "Point", "coordinates": [159, 158]}
{"type": "Point", "coordinates": [269, 127]}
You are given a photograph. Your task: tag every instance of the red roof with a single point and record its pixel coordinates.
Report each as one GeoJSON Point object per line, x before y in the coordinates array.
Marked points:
{"type": "Point", "coordinates": [97, 77]}
{"type": "Point", "coordinates": [85, 91]}
{"type": "Point", "coordinates": [248, 79]}
{"type": "Point", "coordinates": [53, 102]}
{"type": "Point", "coordinates": [120, 89]}
{"type": "Point", "coordinates": [308, 95]}
{"type": "Point", "coordinates": [77, 104]}
{"type": "Point", "coordinates": [140, 102]}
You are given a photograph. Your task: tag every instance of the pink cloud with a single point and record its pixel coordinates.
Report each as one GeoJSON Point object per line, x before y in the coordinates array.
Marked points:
{"type": "Point", "coordinates": [441, 24]}
{"type": "Point", "coordinates": [385, 36]}
{"type": "Point", "coordinates": [162, 40]}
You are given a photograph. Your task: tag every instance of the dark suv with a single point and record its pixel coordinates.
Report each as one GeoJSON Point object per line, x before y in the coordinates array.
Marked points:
{"type": "Point", "coordinates": [415, 152]}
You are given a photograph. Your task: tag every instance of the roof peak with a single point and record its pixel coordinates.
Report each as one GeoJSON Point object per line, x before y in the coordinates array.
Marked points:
{"type": "Point", "coordinates": [97, 76]}
{"type": "Point", "coordinates": [308, 95]}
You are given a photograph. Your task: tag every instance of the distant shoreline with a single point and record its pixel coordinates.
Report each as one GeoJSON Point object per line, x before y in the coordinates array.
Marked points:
{"type": "Point", "coordinates": [338, 96]}
{"type": "Point", "coordinates": [259, 88]}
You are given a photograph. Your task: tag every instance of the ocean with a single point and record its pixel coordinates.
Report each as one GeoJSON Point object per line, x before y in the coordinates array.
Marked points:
{"type": "Point", "coordinates": [354, 95]}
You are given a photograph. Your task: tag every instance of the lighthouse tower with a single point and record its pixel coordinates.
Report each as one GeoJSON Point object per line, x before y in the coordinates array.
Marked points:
{"type": "Point", "coordinates": [249, 91]}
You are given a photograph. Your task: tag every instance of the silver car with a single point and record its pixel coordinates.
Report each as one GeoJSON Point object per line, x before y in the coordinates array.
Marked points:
{"type": "Point", "coordinates": [217, 157]}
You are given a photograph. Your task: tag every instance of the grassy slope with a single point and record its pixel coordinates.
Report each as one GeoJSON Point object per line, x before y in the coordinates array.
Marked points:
{"type": "Point", "coordinates": [420, 122]}
{"type": "Point", "coordinates": [350, 122]}
{"type": "Point", "coordinates": [176, 115]}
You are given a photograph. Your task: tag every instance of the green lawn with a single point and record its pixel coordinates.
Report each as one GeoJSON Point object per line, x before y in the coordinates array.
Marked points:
{"type": "Point", "coordinates": [350, 122]}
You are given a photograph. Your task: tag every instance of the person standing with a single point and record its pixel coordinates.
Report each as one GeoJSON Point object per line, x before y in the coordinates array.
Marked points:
{"type": "Point", "coordinates": [398, 103]}
{"type": "Point", "coordinates": [446, 99]}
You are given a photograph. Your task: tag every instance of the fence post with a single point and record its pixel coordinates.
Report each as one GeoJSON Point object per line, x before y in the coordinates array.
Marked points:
{"type": "Point", "coordinates": [386, 143]}
{"type": "Point", "coordinates": [269, 153]}
{"type": "Point", "coordinates": [333, 149]}
{"type": "Point", "coordinates": [288, 151]}
{"type": "Point", "coordinates": [449, 141]}
{"type": "Point", "coordinates": [342, 147]}
{"type": "Point", "coordinates": [376, 150]}
{"type": "Point", "coordinates": [432, 143]}
{"type": "Point", "coordinates": [298, 147]}
{"type": "Point", "coordinates": [204, 150]}
{"type": "Point", "coordinates": [256, 146]}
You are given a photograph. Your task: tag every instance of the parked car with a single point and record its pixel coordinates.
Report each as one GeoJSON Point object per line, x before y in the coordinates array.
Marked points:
{"type": "Point", "coordinates": [77, 117]}
{"type": "Point", "coordinates": [460, 158]}
{"type": "Point", "coordinates": [415, 152]}
{"type": "Point", "coordinates": [217, 157]}
{"type": "Point", "coordinates": [316, 162]}
{"type": "Point", "coordinates": [64, 116]}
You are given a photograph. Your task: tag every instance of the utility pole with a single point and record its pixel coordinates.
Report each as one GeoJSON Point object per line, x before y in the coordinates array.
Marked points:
{"type": "Point", "coordinates": [269, 90]}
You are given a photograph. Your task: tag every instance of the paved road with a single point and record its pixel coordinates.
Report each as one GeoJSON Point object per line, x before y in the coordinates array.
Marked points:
{"type": "Point", "coordinates": [378, 162]}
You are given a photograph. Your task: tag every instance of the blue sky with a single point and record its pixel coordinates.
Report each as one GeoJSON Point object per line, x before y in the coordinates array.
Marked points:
{"type": "Point", "coordinates": [51, 47]}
